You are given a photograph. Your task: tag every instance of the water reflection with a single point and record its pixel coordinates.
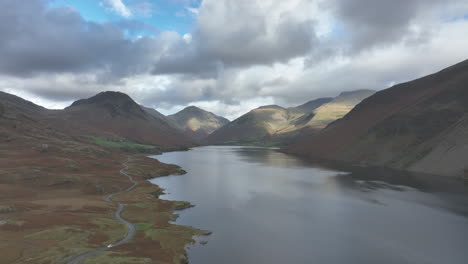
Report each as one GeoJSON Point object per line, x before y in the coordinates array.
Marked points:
{"type": "Point", "coordinates": [268, 158]}
{"type": "Point", "coordinates": [266, 207]}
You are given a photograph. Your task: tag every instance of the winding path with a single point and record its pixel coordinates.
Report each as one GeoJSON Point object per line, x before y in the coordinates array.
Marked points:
{"type": "Point", "coordinates": [130, 226]}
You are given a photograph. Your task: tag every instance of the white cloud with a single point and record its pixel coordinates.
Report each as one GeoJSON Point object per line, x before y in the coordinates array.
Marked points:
{"type": "Point", "coordinates": [188, 38]}
{"type": "Point", "coordinates": [118, 7]}
{"type": "Point", "coordinates": [142, 8]}
{"type": "Point", "coordinates": [193, 10]}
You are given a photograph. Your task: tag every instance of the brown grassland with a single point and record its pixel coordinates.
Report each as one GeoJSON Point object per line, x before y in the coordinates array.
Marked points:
{"type": "Point", "coordinates": [52, 208]}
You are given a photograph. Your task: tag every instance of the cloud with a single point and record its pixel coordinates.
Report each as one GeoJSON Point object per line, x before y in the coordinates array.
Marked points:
{"type": "Point", "coordinates": [370, 23]}
{"type": "Point", "coordinates": [142, 8]}
{"type": "Point", "coordinates": [381, 67]}
{"type": "Point", "coordinates": [242, 33]}
{"type": "Point", "coordinates": [241, 54]}
{"type": "Point", "coordinates": [36, 40]}
{"type": "Point", "coordinates": [118, 7]}
{"type": "Point", "coordinates": [193, 10]}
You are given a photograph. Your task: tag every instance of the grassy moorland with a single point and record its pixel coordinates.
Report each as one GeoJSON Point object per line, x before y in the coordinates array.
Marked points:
{"type": "Point", "coordinates": [124, 145]}
{"type": "Point", "coordinates": [54, 178]}
{"type": "Point", "coordinates": [52, 208]}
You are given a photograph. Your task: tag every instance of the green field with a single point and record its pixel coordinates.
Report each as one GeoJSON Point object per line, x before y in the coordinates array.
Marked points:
{"type": "Point", "coordinates": [127, 146]}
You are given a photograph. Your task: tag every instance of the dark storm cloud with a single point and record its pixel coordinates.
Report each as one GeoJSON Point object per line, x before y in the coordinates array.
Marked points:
{"type": "Point", "coordinates": [36, 39]}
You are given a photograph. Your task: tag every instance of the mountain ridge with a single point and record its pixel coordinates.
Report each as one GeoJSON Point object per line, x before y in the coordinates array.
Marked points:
{"type": "Point", "coordinates": [402, 127]}
{"type": "Point", "coordinates": [116, 116]}
{"type": "Point", "coordinates": [116, 103]}
{"type": "Point", "coordinates": [196, 122]}
{"type": "Point", "coordinates": [273, 125]}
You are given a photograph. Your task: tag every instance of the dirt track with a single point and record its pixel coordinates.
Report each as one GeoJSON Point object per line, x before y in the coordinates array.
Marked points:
{"type": "Point", "coordinates": [130, 227]}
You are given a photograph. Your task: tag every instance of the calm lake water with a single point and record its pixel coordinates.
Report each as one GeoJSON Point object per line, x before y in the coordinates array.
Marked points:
{"type": "Point", "coordinates": [267, 207]}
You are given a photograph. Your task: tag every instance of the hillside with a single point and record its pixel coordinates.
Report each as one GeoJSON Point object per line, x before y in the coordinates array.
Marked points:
{"type": "Point", "coordinates": [256, 126]}
{"type": "Point", "coordinates": [197, 123]}
{"type": "Point", "coordinates": [336, 108]}
{"type": "Point", "coordinates": [154, 113]}
{"type": "Point", "coordinates": [311, 105]}
{"type": "Point", "coordinates": [419, 125]}
{"type": "Point", "coordinates": [13, 103]}
{"type": "Point", "coordinates": [275, 125]}
{"type": "Point", "coordinates": [52, 186]}
{"type": "Point", "coordinates": [116, 116]}
{"type": "Point", "coordinates": [21, 124]}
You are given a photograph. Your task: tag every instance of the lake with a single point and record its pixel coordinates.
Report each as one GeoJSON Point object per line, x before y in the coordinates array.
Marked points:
{"type": "Point", "coordinates": [267, 207]}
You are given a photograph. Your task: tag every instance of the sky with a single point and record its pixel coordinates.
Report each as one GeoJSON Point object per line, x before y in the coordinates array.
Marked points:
{"type": "Point", "coordinates": [226, 56]}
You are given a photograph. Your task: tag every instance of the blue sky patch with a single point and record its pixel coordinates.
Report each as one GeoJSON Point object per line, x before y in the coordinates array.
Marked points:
{"type": "Point", "coordinates": [166, 15]}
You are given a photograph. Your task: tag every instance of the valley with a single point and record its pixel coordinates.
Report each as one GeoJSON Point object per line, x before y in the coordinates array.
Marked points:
{"type": "Point", "coordinates": [53, 182]}
{"type": "Point", "coordinates": [58, 166]}
{"type": "Point", "coordinates": [233, 132]}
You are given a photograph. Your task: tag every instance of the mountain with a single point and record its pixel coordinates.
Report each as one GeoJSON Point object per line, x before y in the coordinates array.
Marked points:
{"type": "Point", "coordinates": [419, 126]}
{"type": "Point", "coordinates": [275, 125]}
{"type": "Point", "coordinates": [153, 112]}
{"type": "Point", "coordinates": [23, 127]}
{"type": "Point", "coordinates": [197, 123]}
{"type": "Point", "coordinates": [311, 105]}
{"type": "Point", "coordinates": [12, 102]}
{"type": "Point", "coordinates": [52, 175]}
{"type": "Point", "coordinates": [16, 113]}
{"type": "Point", "coordinates": [255, 126]}
{"type": "Point", "coordinates": [21, 117]}
{"type": "Point", "coordinates": [108, 115]}
{"type": "Point", "coordinates": [115, 115]}
{"type": "Point", "coordinates": [336, 108]}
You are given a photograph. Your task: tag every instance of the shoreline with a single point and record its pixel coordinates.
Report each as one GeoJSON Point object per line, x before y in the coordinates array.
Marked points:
{"type": "Point", "coordinates": [52, 209]}
{"type": "Point", "coordinates": [144, 224]}
{"type": "Point", "coordinates": [346, 165]}
{"type": "Point", "coordinates": [184, 205]}
{"type": "Point", "coordinates": [433, 181]}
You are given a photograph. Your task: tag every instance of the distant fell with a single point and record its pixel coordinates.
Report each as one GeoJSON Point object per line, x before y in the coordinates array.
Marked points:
{"type": "Point", "coordinates": [274, 125]}
{"type": "Point", "coordinates": [196, 122]}
{"type": "Point", "coordinates": [311, 105]}
{"type": "Point", "coordinates": [335, 109]}
{"type": "Point", "coordinates": [154, 113]}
